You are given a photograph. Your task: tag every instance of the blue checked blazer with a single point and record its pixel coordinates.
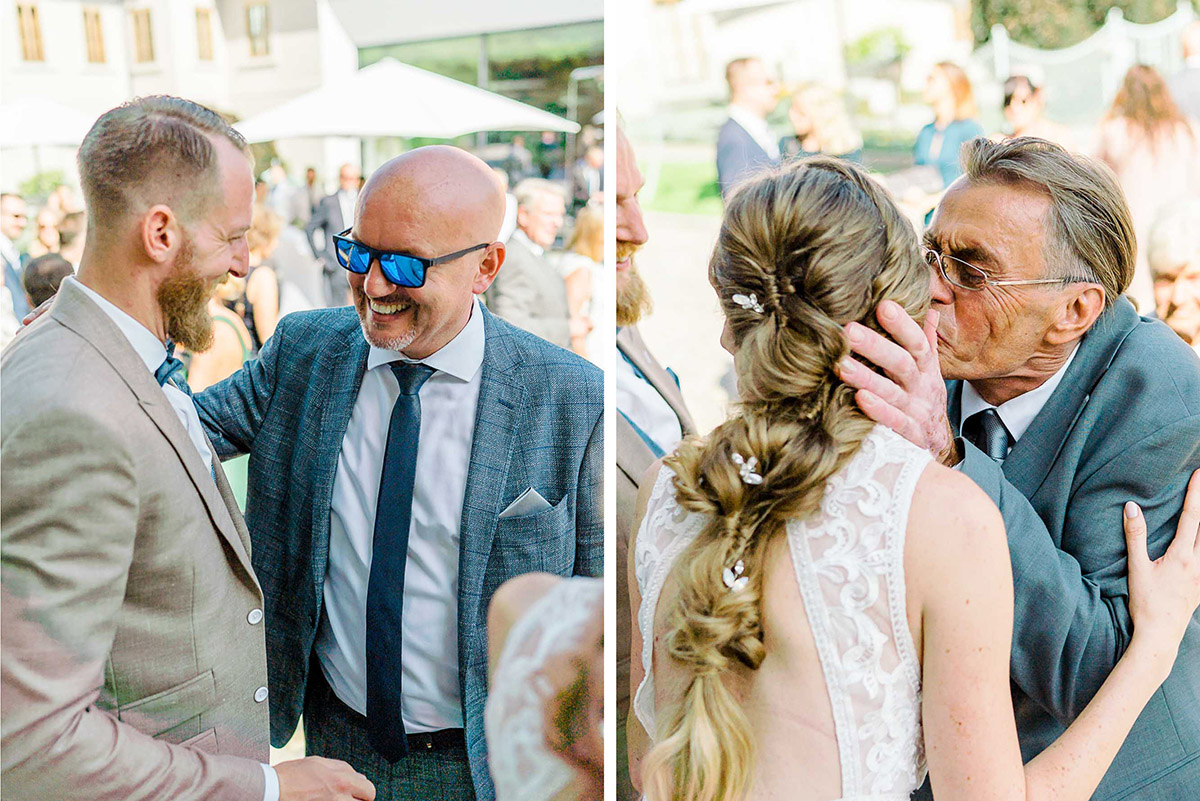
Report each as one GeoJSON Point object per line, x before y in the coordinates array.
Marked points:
{"type": "Point", "coordinates": [539, 424]}
{"type": "Point", "coordinates": [1123, 425]}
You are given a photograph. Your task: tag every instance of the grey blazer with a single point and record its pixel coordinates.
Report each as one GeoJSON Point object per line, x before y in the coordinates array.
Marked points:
{"type": "Point", "coordinates": [134, 661]}
{"type": "Point", "coordinates": [530, 294]}
{"type": "Point", "coordinates": [539, 424]}
{"type": "Point", "coordinates": [1124, 424]}
{"type": "Point", "coordinates": [738, 156]}
{"type": "Point", "coordinates": [327, 218]}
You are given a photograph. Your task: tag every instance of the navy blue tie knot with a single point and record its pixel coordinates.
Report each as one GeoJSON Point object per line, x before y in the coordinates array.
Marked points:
{"type": "Point", "coordinates": [411, 375]}
{"type": "Point", "coordinates": [988, 433]}
{"type": "Point", "coordinates": [170, 366]}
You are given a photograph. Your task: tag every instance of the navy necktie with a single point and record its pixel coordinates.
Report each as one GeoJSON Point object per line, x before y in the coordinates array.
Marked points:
{"type": "Point", "coordinates": [987, 432]}
{"type": "Point", "coordinates": [385, 587]}
{"type": "Point", "coordinates": [167, 370]}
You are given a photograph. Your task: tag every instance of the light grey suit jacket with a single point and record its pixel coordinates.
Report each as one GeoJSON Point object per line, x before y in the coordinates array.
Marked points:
{"type": "Point", "coordinates": [634, 458]}
{"type": "Point", "coordinates": [129, 662]}
{"type": "Point", "coordinates": [530, 294]}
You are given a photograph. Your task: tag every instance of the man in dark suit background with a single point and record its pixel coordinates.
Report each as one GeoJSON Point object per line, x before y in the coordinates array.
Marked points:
{"type": "Point", "coordinates": [332, 216]}
{"type": "Point", "coordinates": [745, 142]}
{"type": "Point", "coordinates": [1062, 404]}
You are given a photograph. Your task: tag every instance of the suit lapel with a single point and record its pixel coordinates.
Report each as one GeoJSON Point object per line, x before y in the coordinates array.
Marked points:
{"type": "Point", "coordinates": [497, 418]}
{"type": "Point", "coordinates": [74, 310]}
{"type": "Point", "coordinates": [342, 369]}
{"type": "Point", "coordinates": [630, 343]}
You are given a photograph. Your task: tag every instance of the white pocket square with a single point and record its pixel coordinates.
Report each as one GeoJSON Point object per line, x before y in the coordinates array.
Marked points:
{"type": "Point", "coordinates": [527, 503]}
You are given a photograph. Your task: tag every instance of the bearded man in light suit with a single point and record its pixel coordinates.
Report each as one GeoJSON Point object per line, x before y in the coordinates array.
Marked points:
{"type": "Point", "coordinates": [1062, 404]}
{"type": "Point", "coordinates": [407, 457]}
{"type": "Point", "coordinates": [133, 656]}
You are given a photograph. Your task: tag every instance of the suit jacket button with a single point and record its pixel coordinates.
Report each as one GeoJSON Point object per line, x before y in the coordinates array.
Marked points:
{"type": "Point", "coordinates": [260, 695]}
{"type": "Point", "coordinates": [255, 617]}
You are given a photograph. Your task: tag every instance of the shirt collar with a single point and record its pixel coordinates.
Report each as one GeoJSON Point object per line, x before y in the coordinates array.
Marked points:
{"type": "Point", "coordinates": [537, 249]}
{"type": "Point", "coordinates": [1018, 413]}
{"type": "Point", "coordinates": [147, 345]}
{"type": "Point", "coordinates": [461, 357]}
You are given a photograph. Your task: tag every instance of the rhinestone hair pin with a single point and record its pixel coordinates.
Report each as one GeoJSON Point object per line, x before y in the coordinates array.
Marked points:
{"type": "Point", "coordinates": [749, 302]}
{"type": "Point", "coordinates": [746, 468]}
{"type": "Point", "coordinates": [733, 578]}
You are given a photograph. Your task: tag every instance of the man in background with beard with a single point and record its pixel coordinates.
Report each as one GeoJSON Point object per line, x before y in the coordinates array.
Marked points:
{"type": "Point", "coordinates": [133, 658]}
{"type": "Point", "coordinates": [651, 416]}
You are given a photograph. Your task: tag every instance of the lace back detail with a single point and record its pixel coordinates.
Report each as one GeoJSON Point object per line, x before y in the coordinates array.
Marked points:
{"type": "Point", "coordinates": [849, 563]}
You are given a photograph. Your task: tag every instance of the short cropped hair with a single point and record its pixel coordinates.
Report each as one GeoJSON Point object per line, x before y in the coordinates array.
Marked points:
{"type": "Point", "coordinates": [43, 276]}
{"type": "Point", "coordinates": [1089, 229]}
{"type": "Point", "coordinates": [530, 189]}
{"type": "Point", "coordinates": [152, 150]}
{"type": "Point", "coordinates": [734, 68]}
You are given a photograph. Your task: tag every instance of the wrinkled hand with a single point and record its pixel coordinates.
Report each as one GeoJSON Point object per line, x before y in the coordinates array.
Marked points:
{"type": "Point", "coordinates": [1164, 593]}
{"type": "Point", "coordinates": [911, 398]}
{"type": "Point", "coordinates": [321, 779]}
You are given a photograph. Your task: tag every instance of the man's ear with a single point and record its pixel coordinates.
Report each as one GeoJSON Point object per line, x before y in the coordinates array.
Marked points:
{"type": "Point", "coordinates": [493, 260]}
{"type": "Point", "coordinates": [160, 234]}
{"type": "Point", "coordinates": [1079, 312]}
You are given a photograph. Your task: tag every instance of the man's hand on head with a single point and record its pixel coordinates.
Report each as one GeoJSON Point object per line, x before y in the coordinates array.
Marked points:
{"type": "Point", "coordinates": [910, 398]}
{"type": "Point", "coordinates": [38, 312]}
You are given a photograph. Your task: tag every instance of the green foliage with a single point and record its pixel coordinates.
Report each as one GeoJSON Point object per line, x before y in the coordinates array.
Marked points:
{"type": "Point", "coordinates": [37, 188]}
{"type": "Point", "coordinates": [1059, 23]}
{"type": "Point", "coordinates": [882, 45]}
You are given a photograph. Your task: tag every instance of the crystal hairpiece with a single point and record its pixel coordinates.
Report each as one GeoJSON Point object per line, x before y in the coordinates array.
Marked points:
{"type": "Point", "coordinates": [749, 302]}
{"type": "Point", "coordinates": [733, 577]}
{"type": "Point", "coordinates": [746, 468]}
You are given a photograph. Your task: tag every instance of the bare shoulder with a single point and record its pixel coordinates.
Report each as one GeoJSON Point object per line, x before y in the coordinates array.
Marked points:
{"type": "Point", "coordinates": [511, 600]}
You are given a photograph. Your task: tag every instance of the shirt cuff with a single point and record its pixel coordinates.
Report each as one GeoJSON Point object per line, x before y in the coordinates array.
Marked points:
{"type": "Point", "coordinates": [271, 786]}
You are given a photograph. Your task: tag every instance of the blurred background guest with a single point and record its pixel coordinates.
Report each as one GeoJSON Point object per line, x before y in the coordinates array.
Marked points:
{"type": "Point", "coordinates": [510, 207]}
{"type": "Point", "coordinates": [1185, 84]}
{"type": "Point", "coordinates": [948, 91]}
{"type": "Point", "coordinates": [745, 142]}
{"type": "Point", "coordinates": [258, 303]}
{"type": "Point", "coordinates": [1154, 151]}
{"type": "Point", "coordinates": [334, 214]}
{"type": "Point", "coordinates": [43, 276]}
{"type": "Point", "coordinates": [1173, 252]}
{"type": "Point", "coordinates": [46, 239]}
{"type": "Point", "coordinates": [1024, 110]}
{"type": "Point", "coordinates": [586, 177]}
{"type": "Point", "coordinates": [312, 194]}
{"type": "Point", "coordinates": [528, 291]}
{"type": "Point", "coordinates": [12, 224]}
{"type": "Point", "coordinates": [580, 266]}
{"type": "Point", "coordinates": [262, 191]}
{"type": "Point", "coordinates": [821, 126]}
{"type": "Point", "coordinates": [72, 236]}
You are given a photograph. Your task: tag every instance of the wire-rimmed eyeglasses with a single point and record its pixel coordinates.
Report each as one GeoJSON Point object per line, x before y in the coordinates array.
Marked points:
{"type": "Point", "coordinates": [967, 276]}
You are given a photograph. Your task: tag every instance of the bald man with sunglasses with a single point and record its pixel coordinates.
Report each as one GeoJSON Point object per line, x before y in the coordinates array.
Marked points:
{"type": "Point", "coordinates": [406, 458]}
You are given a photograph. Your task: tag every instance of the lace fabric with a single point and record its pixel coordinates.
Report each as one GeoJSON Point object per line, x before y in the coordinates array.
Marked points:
{"type": "Point", "coordinates": [849, 564]}
{"type": "Point", "coordinates": [521, 765]}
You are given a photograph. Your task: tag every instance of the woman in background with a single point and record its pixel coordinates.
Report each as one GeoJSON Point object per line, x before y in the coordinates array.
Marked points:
{"type": "Point", "coordinates": [258, 304]}
{"type": "Point", "coordinates": [821, 126]}
{"type": "Point", "coordinates": [948, 91]}
{"type": "Point", "coordinates": [1154, 151]}
{"type": "Point", "coordinates": [1024, 110]}
{"type": "Point", "coordinates": [580, 267]}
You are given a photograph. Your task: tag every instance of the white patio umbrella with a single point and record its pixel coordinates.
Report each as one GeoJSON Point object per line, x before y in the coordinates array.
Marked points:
{"type": "Point", "coordinates": [36, 121]}
{"type": "Point", "coordinates": [393, 99]}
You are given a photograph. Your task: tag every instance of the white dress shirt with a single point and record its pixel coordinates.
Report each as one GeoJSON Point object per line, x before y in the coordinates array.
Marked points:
{"type": "Point", "coordinates": [430, 695]}
{"type": "Point", "coordinates": [1018, 413]}
{"type": "Point", "coordinates": [758, 129]}
{"type": "Point", "coordinates": [524, 239]}
{"type": "Point", "coordinates": [346, 200]}
{"type": "Point", "coordinates": [638, 400]}
{"type": "Point", "coordinates": [153, 353]}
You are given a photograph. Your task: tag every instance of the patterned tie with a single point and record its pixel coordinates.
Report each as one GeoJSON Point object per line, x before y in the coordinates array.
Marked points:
{"type": "Point", "coordinates": [385, 587]}
{"type": "Point", "coordinates": [987, 432]}
{"type": "Point", "coordinates": [170, 366]}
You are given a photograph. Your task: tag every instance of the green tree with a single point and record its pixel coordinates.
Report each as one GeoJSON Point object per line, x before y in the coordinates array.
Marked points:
{"type": "Point", "coordinates": [1060, 23]}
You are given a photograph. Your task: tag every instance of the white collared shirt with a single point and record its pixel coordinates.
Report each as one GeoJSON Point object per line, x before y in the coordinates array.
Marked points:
{"type": "Point", "coordinates": [153, 353]}
{"type": "Point", "coordinates": [346, 201]}
{"type": "Point", "coordinates": [524, 239]}
{"type": "Point", "coordinates": [638, 400]}
{"type": "Point", "coordinates": [758, 129]}
{"type": "Point", "coordinates": [430, 695]}
{"type": "Point", "coordinates": [1018, 413]}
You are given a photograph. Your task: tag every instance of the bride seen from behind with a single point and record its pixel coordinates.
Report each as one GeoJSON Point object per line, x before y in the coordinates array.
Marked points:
{"type": "Point", "coordinates": [826, 609]}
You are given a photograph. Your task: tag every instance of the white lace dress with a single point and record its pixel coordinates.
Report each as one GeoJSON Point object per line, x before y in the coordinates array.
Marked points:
{"type": "Point", "coordinates": [849, 563]}
{"type": "Point", "coordinates": [523, 769]}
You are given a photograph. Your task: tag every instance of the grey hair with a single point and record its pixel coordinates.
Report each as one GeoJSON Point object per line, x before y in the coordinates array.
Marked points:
{"type": "Point", "coordinates": [1175, 238]}
{"type": "Point", "coordinates": [528, 190]}
{"type": "Point", "coordinates": [1090, 236]}
{"type": "Point", "coordinates": [152, 150]}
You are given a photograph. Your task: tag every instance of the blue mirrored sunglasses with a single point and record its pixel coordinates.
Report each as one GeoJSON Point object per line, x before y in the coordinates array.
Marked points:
{"type": "Point", "coordinates": [402, 269]}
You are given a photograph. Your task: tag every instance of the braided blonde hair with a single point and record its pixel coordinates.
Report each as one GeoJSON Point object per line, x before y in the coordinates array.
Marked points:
{"type": "Point", "coordinates": [818, 243]}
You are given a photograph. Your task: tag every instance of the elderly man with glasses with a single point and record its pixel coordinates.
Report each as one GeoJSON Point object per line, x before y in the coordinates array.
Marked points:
{"type": "Point", "coordinates": [1063, 405]}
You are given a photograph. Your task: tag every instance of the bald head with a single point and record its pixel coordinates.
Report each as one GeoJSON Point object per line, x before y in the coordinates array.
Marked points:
{"type": "Point", "coordinates": [443, 192]}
